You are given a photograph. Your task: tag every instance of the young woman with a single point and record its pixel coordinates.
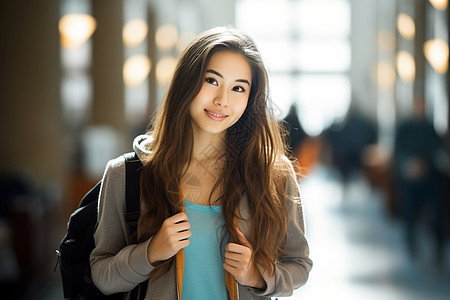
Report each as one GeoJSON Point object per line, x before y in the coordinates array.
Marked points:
{"type": "Point", "coordinates": [221, 216]}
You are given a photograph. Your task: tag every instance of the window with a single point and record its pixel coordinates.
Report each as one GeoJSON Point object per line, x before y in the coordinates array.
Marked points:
{"type": "Point", "coordinates": [306, 47]}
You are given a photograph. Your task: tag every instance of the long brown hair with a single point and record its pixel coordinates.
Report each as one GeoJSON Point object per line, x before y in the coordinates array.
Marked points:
{"type": "Point", "coordinates": [254, 148]}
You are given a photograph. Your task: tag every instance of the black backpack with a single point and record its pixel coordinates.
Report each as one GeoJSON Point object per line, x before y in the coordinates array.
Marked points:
{"type": "Point", "coordinates": [77, 245]}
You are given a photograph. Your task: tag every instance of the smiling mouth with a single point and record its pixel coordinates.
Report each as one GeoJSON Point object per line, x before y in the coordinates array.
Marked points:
{"type": "Point", "coordinates": [216, 115]}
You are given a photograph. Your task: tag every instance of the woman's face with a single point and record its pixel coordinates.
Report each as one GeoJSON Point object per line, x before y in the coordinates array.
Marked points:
{"type": "Point", "coordinates": [224, 94]}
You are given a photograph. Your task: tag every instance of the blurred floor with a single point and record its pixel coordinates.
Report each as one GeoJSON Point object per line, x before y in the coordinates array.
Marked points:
{"type": "Point", "coordinates": [357, 249]}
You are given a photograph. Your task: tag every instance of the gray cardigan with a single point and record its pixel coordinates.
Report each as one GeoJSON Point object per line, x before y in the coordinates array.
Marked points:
{"type": "Point", "coordinates": [119, 266]}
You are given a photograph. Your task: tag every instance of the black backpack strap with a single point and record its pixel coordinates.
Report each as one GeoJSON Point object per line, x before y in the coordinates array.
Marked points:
{"type": "Point", "coordinates": [133, 167]}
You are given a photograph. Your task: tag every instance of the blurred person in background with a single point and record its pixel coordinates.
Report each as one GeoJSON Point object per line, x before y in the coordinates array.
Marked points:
{"type": "Point", "coordinates": [419, 164]}
{"type": "Point", "coordinates": [348, 140]}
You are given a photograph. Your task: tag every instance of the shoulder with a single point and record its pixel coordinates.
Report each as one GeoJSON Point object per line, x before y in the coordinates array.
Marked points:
{"type": "Point", "coordinates": [285, 168]}
{"type": "Point", "coordinates": [114, 176]}
{"type": "Point", "coordinates": [112, 196]}
{"type": "Point", "coordinates": [115, 166]}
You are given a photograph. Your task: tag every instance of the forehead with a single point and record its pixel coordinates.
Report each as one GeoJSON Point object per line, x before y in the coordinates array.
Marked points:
{"type": "Point", "coordinates": [230, 64]}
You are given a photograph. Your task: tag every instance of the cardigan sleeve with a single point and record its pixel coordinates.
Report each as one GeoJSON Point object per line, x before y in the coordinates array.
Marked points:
{"type": "Point", "coordinates": [116, 265]}
{"type": "Point", "coordinates": [291, 269]}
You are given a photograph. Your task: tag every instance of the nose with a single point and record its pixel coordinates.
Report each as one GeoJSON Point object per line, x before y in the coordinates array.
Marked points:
{"type": "Point", "coordinates": [221, 98]}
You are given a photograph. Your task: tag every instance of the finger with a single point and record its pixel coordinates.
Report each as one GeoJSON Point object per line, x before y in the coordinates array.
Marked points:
{"type": "Point", "coordinates": [183, 226]}
{"type": "Point", "coordinates": [173, 229]}
{"type": "Point", "coordinates": [179, 245]}
{"type": "Point", "coordinates": [232, 263]}
{"type": "Point", "coordinates": [177, 218]}
{"type": "Point", "coordinates": [237, 248]}
{"type": "Point", "coordinates": [184, 244]}
{"type": "Point", "coordinates": [238, 258]}
{"type": "Point", "coordinates": [229, 268]}
{"type": "Point", "coordinates": [183, 235]}
{"type": "Point", "coordinates": [233, 256]}
{"type": "Point", "coordinates": [179, 241]}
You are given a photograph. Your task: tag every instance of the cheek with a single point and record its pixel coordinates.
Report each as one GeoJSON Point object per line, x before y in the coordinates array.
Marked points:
{"type": "Point", "coordinates": [194, 106]}
{"type": "Point", "coordinates": [203, 93]}
{"type": "Point", "coordinates": [241, 106]}
{"type": "Point", "coordinates": [200, 99]}
{"type": "Point", "coordinates": [239, 109]}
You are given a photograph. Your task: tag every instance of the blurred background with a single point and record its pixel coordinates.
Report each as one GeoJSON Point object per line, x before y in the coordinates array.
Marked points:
{"type": "Point", "coordinates": [363, 85]}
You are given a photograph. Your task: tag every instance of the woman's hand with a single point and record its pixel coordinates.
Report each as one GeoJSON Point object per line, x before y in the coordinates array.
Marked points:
{"type": "Point", "coordinates": [171, 237]}
{"type": "Point", "coordinates": [238, 261]}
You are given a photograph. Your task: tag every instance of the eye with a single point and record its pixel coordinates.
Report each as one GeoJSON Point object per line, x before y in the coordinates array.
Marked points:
{"type": "Point", "coordinates": [238, 89]}
{"type": "Point", "coordinates": [211, 80]}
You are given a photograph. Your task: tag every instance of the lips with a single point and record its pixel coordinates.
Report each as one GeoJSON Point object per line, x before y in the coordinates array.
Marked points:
{"type": "Point", "coordinates": [215, 115]}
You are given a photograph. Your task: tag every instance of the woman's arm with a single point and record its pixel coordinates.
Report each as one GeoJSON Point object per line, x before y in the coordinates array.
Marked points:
{"type": "Point", "coordinates": [116, 266]}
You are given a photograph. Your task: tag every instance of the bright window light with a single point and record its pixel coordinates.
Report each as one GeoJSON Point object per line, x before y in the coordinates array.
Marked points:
{"type": "Point", "coordinates": [436, 52]}
{"type": "Point", "coordinates": [267, 17]}
{"type": "Point", "coordinates": [324, 18]}
{"type": "Point", "coordinates": [322, 100]}
{"type": "Point", "coordinates": [305, 45]}
{"type": "Point", "coordinates": [136, 69]}
{"type": "Point", "coordinates": [282, 93]}
{"type": "Point", "coordinates": [406, 26]}
{"type": "Point", "coordinates": [76, 29]}
{"type": "Point", "coordinates": [439, 4]}
{"type": "Point", "coordinates": [166, 37]}
{"type": "Point", "coordinates": [323, 55]}
{"type": "Point", "coordinates": [76, 90]}
{"type": "Point", "coordinates": [164, 70]}
{"type": "Point", "coordinates": [406, 67]}
{"type": "Point", "coordinates": [278, 54]}
{"type": "Point", "coordinates": [134, 32]}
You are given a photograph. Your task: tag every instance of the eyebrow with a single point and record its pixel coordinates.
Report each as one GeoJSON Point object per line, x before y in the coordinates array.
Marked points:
{"type": "Point", "coordinates": [221, 76]}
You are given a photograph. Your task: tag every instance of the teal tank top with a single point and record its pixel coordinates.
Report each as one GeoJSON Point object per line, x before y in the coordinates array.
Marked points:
{"type": "Point", "coordinates": [204, 275]}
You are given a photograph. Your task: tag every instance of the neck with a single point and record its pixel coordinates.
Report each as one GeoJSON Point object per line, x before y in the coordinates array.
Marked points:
{"type": "Point", "coordinates": [208, 147]}
{"type": "Point", "coordinates": [207, 158]}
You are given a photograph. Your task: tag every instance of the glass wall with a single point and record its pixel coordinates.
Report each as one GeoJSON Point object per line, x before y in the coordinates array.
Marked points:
{"type": "Point", "coordinates": [306, 46]}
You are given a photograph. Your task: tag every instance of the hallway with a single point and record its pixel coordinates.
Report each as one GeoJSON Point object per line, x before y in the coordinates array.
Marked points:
{"type": "Point", "coordinates": [358, 251]}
